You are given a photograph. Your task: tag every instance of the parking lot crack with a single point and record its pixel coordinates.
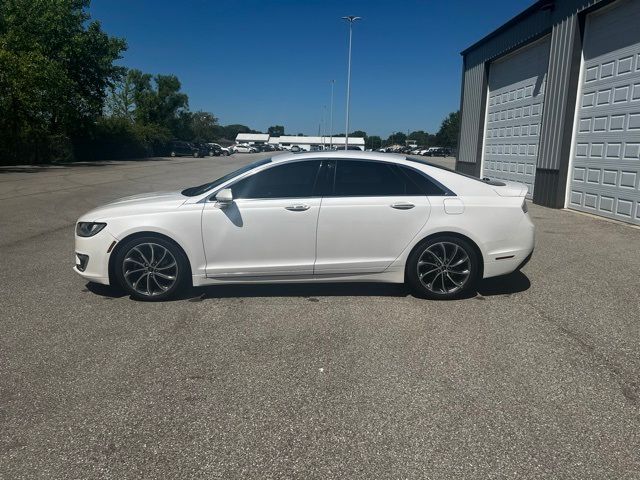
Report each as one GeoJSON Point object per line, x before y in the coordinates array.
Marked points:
{"type": "Point", "coordinates": [628, 387]}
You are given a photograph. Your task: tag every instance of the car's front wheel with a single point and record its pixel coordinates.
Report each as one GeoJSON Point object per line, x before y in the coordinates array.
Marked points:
{"type": "Point", "coordinates": [443, 267]}
{"type": "Point", "coordinates": [151, 268]}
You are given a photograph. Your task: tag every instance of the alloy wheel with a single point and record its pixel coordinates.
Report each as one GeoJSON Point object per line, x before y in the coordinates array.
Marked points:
{"type": "Point", "coordinates": [444, 268]}
{"type": "Point", "coordinates": [150, 269]}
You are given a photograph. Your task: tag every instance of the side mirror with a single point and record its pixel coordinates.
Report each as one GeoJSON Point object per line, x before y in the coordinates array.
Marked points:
{"type": "Point", "coordinates": [224, 197]}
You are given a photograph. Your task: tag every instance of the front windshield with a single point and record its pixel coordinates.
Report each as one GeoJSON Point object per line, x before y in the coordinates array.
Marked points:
{"type": "Point", "coordinates": [200, 189]}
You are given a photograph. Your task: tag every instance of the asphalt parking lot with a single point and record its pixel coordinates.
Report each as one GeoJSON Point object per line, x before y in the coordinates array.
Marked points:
{"type": "Point", "coordinates": [537, 376]}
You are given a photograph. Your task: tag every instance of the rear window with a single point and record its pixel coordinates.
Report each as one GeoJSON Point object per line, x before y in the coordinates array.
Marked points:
{"type": "Point", "coordinates": [425, 185]}
{"type": "Point", "coordinates": [357, 178]}
{"type": "Point", "coordinates": [495, 183]}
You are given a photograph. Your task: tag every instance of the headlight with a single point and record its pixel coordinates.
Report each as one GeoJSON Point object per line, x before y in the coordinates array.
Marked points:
{"type": "Point", "coordinates": [89, 229]}
{"type": "Point", "coordinates": [525, 209]}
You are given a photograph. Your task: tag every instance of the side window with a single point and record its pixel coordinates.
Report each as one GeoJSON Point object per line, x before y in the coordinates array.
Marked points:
{"type": "Point", "coordinates": [425, 185]}
{"type": "Point", "coordinates": [289, 180]}
{"type": "Point", "coordinates": [356, 178]}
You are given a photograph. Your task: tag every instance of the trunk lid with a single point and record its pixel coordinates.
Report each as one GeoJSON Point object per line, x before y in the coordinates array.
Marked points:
{"type": "Point", "coordinates": [510, 189]}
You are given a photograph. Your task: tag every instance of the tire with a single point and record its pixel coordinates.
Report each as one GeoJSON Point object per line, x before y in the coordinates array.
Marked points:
{"type": "Point", "coordinates": [151, 268]}
{"type": "Point", "coordinates": [196, 154]}
{"type": "Point", "coordinates": [442, 268]}
{"type": "Point", "coordinates": [173, 154]}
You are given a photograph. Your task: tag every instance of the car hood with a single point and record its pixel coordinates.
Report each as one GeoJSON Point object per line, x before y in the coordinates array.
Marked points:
{"type": "Point", "coordinates": [136, 204]}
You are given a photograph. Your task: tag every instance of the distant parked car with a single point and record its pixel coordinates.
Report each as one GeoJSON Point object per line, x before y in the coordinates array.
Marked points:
{"type": "Point", "coordinates": [213, 150]}
{"type": "Point", "coordinates": [262, 147]}
{"type": "Point", "coordinates": [244, 148]}
{"type": "Point", "coordinates": [438, 152]}
{"type": "Point", "coordinates": [219, 150]}
{"type": "Point", "coordinates": [205, 149]}
{"type": "Point", "coordinates": [178, 148]}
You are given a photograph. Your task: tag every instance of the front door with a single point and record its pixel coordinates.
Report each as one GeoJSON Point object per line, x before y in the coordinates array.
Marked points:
{"type": "Point", "coordinates": [269, 229]}
{"type": "Point", "coordinates": [371, 215]}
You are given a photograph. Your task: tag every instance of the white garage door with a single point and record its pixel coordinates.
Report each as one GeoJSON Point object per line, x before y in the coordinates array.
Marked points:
{"type": "Point", "coordinates": [606, 155]}
{"type": "Point", "coordinates": [514, 113]}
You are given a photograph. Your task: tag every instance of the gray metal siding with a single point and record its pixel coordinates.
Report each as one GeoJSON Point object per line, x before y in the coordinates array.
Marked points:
{"type": "Point", "coordinates": [533, 26]}
{"type": "Point", "coordinates": [472, 120]}
{"type": "Point", "coordinates": [553, 131]}
{"type": "Point", "coordinates": [605, 176]}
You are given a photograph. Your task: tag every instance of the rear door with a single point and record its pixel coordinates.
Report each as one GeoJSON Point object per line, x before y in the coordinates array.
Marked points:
{"type": "Point", "coordinates": [368, 217]}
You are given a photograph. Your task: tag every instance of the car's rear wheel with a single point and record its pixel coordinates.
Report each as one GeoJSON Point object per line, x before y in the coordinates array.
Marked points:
{"type": "Point", "coordinates": [196, 154]}
{"type": "Point", "coordinates": [173, 154]}
{"type": "Point", "coordinates": [443, 267]}
{"type": "Point", "coordinates": [151, 268]}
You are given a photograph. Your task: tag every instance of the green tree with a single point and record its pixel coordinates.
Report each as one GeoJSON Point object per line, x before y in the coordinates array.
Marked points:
{"type": "Point", "coordinates": [359, 133]}
{"type": "Point", "coordinates": [373, 142]}
{"type": "Point", "coordinates": [157, 100]}
{"type": "Point", "coordinates": [230, 132]}
{"type": "Point", "coordinates": [56, 66]}
{"type": "Point", "coordinates": [422, 138]}
{"type": "Point", "coordinates": [204, 126]}
{"type": "Point", "coordinates": [276, 131]}
{"type": "Point", "coordinates": [182, 126]}
{"type": "Point", "coordinates": [447, 136]}
{"type": "Point", "coordinates": [397, 138]}
{"type": "Point", "coordinates": [169, 103]}
{"type": "Point", "coordinates": [121, 101]}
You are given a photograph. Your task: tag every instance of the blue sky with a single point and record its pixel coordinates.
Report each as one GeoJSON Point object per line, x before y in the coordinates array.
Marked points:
{"type": "Point", "coordinates": [262, 63]}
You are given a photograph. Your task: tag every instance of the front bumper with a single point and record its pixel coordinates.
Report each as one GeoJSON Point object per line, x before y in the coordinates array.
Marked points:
{"type": "Point", "coordinates": [92, 256]}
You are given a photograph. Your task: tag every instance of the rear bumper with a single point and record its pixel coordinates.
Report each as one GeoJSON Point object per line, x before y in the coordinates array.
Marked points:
{"type": "Point", "coordinates": [525, 261]}
{"type": "Point", "coordinates": [516, 253]}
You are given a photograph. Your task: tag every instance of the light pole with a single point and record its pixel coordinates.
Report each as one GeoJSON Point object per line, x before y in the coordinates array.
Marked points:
{"type": "Point", "coordinates": [351, 19]}
{"type": "Point", "coordinates": [331, 118]}
{"type": "Point", "coordinates": [324, 126]}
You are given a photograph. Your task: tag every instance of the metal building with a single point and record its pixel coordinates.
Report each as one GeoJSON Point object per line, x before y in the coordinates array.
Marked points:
{"type": "Point", "coordinates": [552, 99]}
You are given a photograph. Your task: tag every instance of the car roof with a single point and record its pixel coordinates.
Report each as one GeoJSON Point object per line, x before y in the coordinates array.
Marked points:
{"type": "Point", "coordinates": [338, 154]}
{"type": "Point", "coordinates": [398, 158]}
{"type": "Point", "coordinates": [446, 176]}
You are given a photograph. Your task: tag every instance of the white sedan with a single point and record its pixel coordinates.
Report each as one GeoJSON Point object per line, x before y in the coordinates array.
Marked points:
{"type": "Point", "coordinates": [244, 148]}
{"type": "Point", "coordinates": [316, 217]}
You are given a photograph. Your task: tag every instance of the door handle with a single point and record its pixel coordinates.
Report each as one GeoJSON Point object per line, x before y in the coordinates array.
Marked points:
{"type": "Point", "coordinates": [297, 208]}
{"type": "Point", "coordinates": [403, 206]}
